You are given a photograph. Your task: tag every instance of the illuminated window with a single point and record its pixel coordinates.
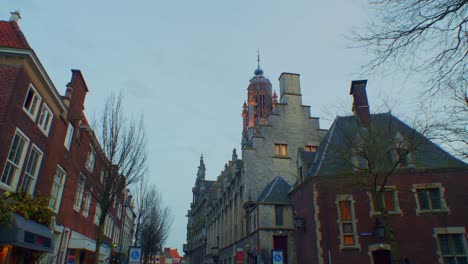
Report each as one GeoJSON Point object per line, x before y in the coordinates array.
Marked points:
{"type": "Point", "coordinates": [15, 160]}
{"type": "Point", "coordinates": [31, 103]}
{"type": "Point", "coordinates": [32, 169]}
{"type": "Point", "coordinates": [45, 120]}
{"type": "Point", "coordinates": [347, 222]}
{"type": "Point", "coordinates": [281, 150]}
{"type": "Point", "coordinates": [57, 189]}
{"type": "Point", "coordinates": [310, 148]}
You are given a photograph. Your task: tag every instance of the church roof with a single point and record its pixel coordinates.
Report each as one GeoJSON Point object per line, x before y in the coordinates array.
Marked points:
{"type": "Point", "coordinates": [275, 192]}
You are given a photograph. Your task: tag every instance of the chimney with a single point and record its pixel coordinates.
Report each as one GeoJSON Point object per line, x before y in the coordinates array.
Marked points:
{"type": "Point", "coordinates": [15, 16]}
{"type": "Point", "coordinates": [360, 104]}
{"type": "Point", "coordinates": [289, 84]}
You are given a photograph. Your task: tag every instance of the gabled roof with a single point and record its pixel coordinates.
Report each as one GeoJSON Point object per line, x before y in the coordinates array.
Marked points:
{"type": "Point", "coordinates": [11, 36]}
{"type": "Point", "coordinates": [275, 192]}
{"type": "Point", "coordinates": [329, 158]}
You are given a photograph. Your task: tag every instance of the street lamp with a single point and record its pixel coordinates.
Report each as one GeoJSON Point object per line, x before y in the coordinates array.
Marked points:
{"type": "Point", "coordinates": [379, 228]}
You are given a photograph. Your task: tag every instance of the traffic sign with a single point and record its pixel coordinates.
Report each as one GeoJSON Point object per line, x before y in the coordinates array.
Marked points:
{"type": "Point", "coordinates": [277, 256]}
{"type": "Point", "coordinates": [134, 255]}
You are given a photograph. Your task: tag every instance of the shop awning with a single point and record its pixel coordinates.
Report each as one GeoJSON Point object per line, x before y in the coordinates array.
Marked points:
{"type": "Point", "coordinates": [26, 233]}
{"type": "Point", "coordinates": [79, 241]}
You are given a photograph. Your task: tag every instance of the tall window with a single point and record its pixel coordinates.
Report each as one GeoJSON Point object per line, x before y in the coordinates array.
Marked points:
{"type": "Point", "coordinates": [347, 222]}
{"type": "Point", "coordinates": [452, 245]}
{"type": "Point", "coordinates": [69, 137]}
{"type": "Point", "coordinates": [15, 159]}
{"type": "Point", "coordinates": [31, 103]}
{"type": "Point", "coordinates": [90, 159]}
{"type": "Point", "coordinates": [97, 214]}
{"type": "Point", "coordinates": [87, 202]}
{"type": "Point", "coordinates": [281, 150]}
{"type": "Point", "coordinates": [57, 189]}
{"type": "Point", "coordinates": [79, 194]}
{"type": "Point", "coordinates": [32, 169]}
{"type": "Point", "coordinates": [45, 120]}
{"type": "Point", "coordinates": [430, 198]}
{"type": "Point", "coordinates": [279, 215]}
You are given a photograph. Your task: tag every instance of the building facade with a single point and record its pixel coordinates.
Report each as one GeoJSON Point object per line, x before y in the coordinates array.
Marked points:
{"type": "Point", "coordinates": [48, 146]}
{"type": "Point", "coordinates": [422, 216]}
{"type": "Point", "coordinates": [246, 214]}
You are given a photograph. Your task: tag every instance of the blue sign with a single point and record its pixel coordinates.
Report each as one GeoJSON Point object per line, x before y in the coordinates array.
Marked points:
{"type": "Point", "coordinates": [277, 256]}
{"type": "Point", "coordinates": [134, 255]}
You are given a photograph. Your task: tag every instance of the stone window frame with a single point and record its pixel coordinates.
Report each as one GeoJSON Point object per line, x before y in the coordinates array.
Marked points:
{"type": "Point", "coordinates": [396, 202]}
{"type": "Point", "coordinates": [444, 210]}
{"type": "Point", "coordinates": [32, 115]}
{"type": "Point", "coordinates": [376, 247]}
{"type": "Point", "coordinates": [448, 231]}
{"type": "Point", "coordinates": [19, 166]}
{"type": "Point", "coordinates": [354, 221]}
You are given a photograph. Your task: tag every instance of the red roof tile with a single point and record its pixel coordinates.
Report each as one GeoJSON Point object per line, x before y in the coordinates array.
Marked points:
{"type": "Point", "coordinates": [11, 36]}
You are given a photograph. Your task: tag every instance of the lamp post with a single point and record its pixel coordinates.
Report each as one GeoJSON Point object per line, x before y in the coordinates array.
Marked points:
{"type": "Point", "coordinates": [379, 229]}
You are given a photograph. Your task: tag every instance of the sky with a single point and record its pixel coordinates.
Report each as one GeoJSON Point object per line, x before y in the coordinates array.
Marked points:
{"type": "Point", "coordinates": [185, 67]}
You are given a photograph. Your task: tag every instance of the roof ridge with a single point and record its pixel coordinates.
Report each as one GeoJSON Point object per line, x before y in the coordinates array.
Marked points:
{"type": "Point", "coordinates": [326, 146]}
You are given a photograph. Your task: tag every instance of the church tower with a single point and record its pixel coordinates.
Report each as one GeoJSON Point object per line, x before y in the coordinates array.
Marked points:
{"type": "Point", "coordinates": [261, 102]}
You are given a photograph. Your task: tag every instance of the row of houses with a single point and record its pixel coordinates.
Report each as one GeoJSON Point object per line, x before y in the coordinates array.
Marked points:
{"type": "Point", "coordinates": [371, 189]}
{"type": "Point", "coordinates": [46, 144]}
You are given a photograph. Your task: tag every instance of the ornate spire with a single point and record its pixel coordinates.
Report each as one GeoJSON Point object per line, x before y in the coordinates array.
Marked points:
{"type": "Point", "coordinates": [234, 155]}
{"type": "Point", "coordinates": [201, 169]}
{"type": "Point", "coordinates": [258, 71]}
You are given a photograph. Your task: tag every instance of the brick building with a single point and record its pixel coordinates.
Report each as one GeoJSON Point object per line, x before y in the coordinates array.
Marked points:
{"type": "Point", "coordinates": [246, 212]}
{"type": "Point", "coordinates": [46, 145]}
{"type": "Point", "coordinates": [423, 200]}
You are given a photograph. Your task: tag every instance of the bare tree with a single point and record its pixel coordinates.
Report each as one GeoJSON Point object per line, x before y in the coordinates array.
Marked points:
{"type": "Point", "coordinates": [154, 222]}
{"type": "Point", "coordinates": [119, 143]}
{"type": "Point", "coordinates": [428, 37]}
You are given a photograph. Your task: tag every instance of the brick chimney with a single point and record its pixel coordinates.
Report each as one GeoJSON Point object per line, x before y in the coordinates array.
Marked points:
{"type": "Point", "coordinates": [360, 104]}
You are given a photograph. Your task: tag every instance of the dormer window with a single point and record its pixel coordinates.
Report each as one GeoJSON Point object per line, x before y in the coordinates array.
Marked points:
{"type": "Point", "coordinates": [31, 103]}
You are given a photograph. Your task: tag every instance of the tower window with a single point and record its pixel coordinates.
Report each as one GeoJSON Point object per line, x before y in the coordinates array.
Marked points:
{"type": "Point", "coordinates": [281, 150]}
{"type": "Point", "coordinates": [310, 148]}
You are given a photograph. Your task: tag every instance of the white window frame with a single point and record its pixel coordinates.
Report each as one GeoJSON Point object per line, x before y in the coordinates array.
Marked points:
{"type": "Point", "coordinates": [18, 167]}
{"type": "Point", "coordinates": [69, 136]}
{"type": "Point", "coordinates": [45, 127]}
{"type": "Point", "coordinates": [97, 214]}
{"type": "Point", "coordinates": [79, 193]}
{"type": "Point", "coordinates": [396, 201]}
{"type": "Point", "coordinates": [445, 209]}
{"type": "Point", "coordinates": [60, 183]}
{"type": "Point", "coordinates": [36, 94]}
{"type": "Point", "coordinates": [449, 231]}
{"type": "Point", "coordinates": [353, 221]}
{"type": "Point", "coordinates": [32, 175]}
{"type": "Point", "coordinates": [90, 160]}
{"type": "Point", "coordinates": [87, 203]}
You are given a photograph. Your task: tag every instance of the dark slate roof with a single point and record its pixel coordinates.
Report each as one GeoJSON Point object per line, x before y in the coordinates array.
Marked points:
{"type": "Point", "coordinates": [329, 156]}
{"type": "Point", "coordinates": [275, 192]}
{"type": "Point", "coordinates": [307, 157]}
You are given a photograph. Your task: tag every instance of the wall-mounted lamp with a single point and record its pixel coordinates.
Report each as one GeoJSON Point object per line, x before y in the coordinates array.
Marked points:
{"type": "Point", "coordinates": [379, 229]}
{"type": "Point", "coordinates": [299, 223]}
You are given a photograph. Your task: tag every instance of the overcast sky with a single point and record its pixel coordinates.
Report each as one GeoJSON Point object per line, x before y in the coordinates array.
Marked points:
{"type": "Point", "coordinates": [186, 65]}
